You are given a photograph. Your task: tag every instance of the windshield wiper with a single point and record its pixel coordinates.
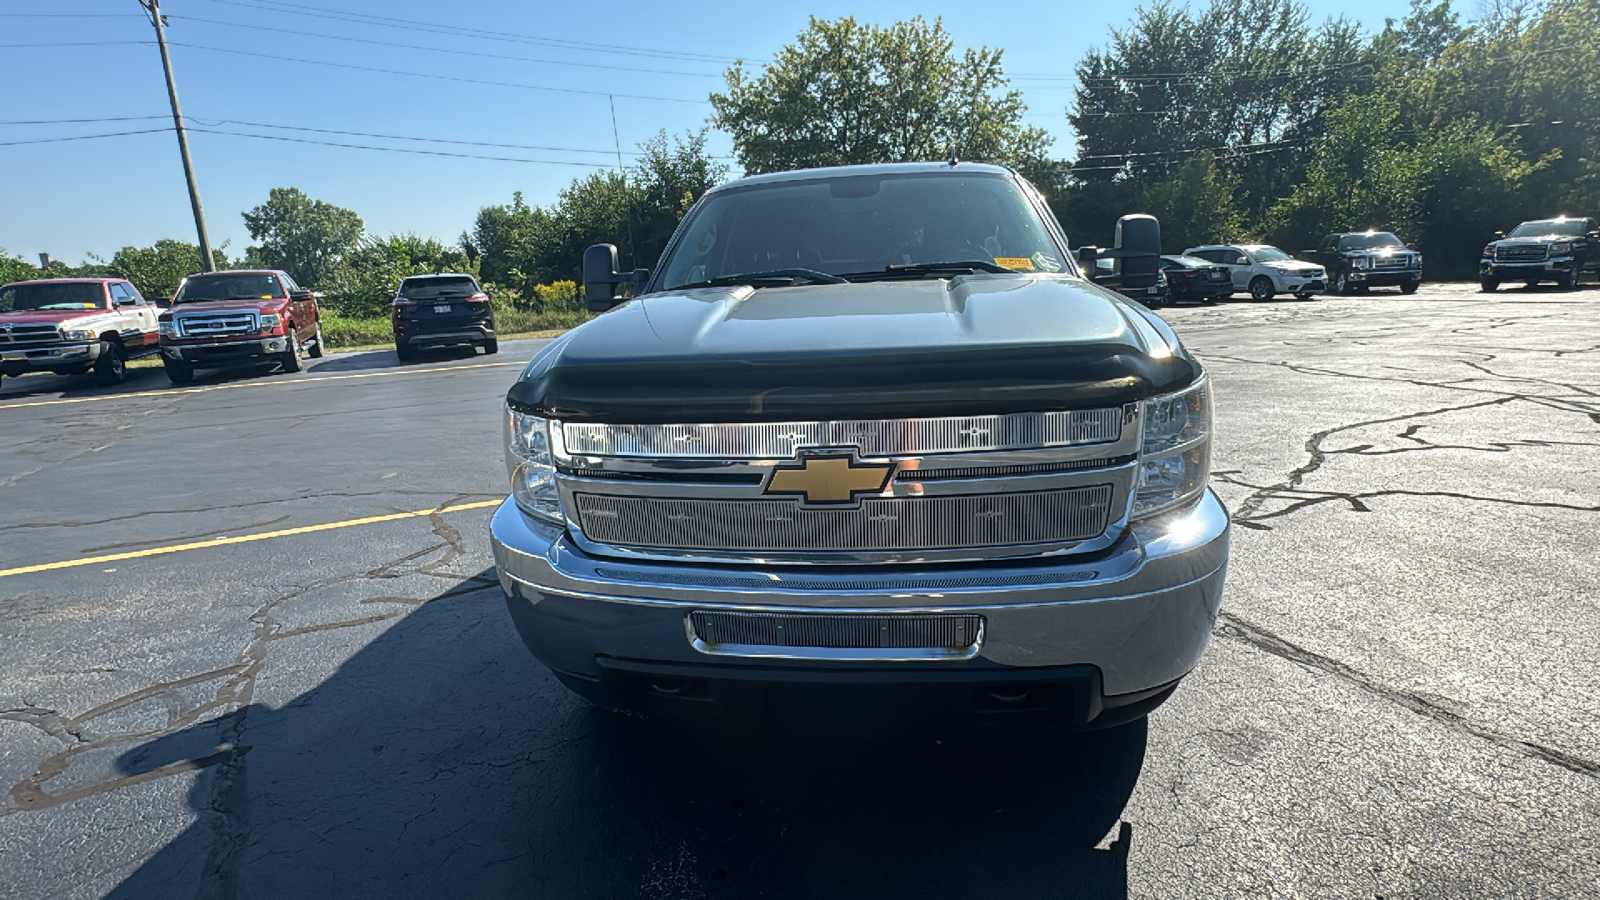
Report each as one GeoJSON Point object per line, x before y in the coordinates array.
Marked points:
{"type": "Point", "coordinates": [775, 275]}
{"type": "Point", "coordinates": [965, 266]}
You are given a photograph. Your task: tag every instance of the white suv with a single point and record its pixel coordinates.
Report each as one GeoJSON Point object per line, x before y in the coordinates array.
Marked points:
{"type": "Point", "coordinates": [1264, 270]}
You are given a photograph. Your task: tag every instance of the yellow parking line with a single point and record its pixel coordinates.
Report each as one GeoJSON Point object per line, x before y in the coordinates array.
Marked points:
{"type": "Point", "coordinates": [243, 539]}
{"type": "Point", "coordinates": [247, 384]}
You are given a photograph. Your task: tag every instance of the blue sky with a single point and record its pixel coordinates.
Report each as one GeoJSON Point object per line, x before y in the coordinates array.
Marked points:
{"type": "Point", "coordinates": [266, 63]}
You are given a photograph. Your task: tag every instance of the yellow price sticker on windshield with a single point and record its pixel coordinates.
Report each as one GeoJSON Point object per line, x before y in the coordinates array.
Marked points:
{"type": "Point", "coordinates": [1020, 263]}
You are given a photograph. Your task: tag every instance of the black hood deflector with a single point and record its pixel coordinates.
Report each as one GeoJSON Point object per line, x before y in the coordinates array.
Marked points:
{"type": "Point", "coordinates": [922, 350]}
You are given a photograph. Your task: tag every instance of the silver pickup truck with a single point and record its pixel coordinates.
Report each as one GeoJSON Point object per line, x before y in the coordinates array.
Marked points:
{"type": "Point", "coordinates": [865, 427]}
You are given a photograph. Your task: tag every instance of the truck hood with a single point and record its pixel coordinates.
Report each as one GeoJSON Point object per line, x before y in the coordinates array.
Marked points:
{"type": "Point", "coordinates": [971, 345]}
{"type": "Point", "coordinates": [222, 306]}
{"type": "Point", "coordinates": [48, 316]}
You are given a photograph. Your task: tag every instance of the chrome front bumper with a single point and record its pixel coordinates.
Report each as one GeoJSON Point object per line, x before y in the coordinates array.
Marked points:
{"type": "Point", "coordinates": [223, 353]}
{"type": "Point", "coordinates": [1140, 612]}
{"type": "Point", "coordinates": [1547, 268]}
{"type": "Point", "coordinates": [50, 357]}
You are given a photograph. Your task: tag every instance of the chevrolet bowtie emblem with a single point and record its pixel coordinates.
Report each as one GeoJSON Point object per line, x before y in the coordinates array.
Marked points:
{"type": "Point", "coordinates": [830, 478]}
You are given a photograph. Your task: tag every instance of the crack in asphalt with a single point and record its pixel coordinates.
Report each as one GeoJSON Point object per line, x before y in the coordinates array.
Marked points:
{"type": "Point", "coordinates": [185, 538]}
{"type": "Point", "coordinates": [233, 695]}
{"type": "Point", "coordinates": [1236, 628]}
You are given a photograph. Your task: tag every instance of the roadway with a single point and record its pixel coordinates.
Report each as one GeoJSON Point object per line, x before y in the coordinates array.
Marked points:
{"type": "Point", "coordinates": [251, 645]}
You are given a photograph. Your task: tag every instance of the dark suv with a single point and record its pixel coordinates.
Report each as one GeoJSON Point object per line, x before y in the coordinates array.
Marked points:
{"type": "Point", "coordinates": [439, 311]}
{"type": "Point", "coordinates": [1559, 250]}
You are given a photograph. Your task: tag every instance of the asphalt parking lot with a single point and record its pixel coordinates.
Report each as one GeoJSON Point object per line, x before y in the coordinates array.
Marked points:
{"type": "Point", "coordinates": [251, 645]}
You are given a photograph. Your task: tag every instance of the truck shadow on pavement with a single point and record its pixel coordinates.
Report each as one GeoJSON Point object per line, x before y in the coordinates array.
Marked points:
{"type": "Point", "coordinates": [440, 761]}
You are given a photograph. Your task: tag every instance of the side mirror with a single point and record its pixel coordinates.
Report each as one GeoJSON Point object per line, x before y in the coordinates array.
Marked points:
{"type": "Point", "coordinates": [1411, 246]}
{"type": "Point", "coordinates": [1087, 256]}
{"type": "Point", "coordinates": [1139, 248]}
{"type": "Point", "coordinates": [1499, 235]}
{"type": "Point", "coordinates": [602, 283]}
{"type": "Point", "coordinates": [164, 302]}
{"type": "Point", "coordinates": [303, 295]}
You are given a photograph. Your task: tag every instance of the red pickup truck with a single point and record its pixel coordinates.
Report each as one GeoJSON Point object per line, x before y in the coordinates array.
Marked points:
{"type": "Point", "coordinates": [239, 318]}
{"type": "Point", "coordinates": [71, 325]}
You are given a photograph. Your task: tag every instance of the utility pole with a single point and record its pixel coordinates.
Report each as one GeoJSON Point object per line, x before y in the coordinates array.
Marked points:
{"type": "Point", "coordinates": [207, 263]}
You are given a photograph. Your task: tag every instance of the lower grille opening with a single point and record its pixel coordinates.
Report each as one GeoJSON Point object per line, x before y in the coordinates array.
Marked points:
{"type": "Point", "coordinates": [949, 633]}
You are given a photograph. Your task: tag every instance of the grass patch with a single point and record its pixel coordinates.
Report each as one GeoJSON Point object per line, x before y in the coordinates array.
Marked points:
{"type": "Point", "coordinates": [369, 333]}
{"type": "Point", "coordinates": [345, 332]}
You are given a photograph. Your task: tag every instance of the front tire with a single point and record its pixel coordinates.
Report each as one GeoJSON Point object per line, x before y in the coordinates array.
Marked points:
{"type": "Point", "coordinates": [1302, 296]}
{"type": "Point", "coordinates": [491, 346]}
{"type": "Point", "coordinates": [1261, 288]}
{"type": "Point", "coordinates": [1410, 287]}
{"type": "Point", "coordinates": [177, 372]}
{"type": "Point", "coordinates": [291, 357]}
{"type": "Point", "coordinates": [316, 349]}
{"type": "Point", "coordinates": [1568, 281]}
{"type": "Point", "coordinates": [1489, 285]}
{"type": "Point", "coordinates": [1341, 281]}
{"type": "Point", "coordinates": [112, 366]}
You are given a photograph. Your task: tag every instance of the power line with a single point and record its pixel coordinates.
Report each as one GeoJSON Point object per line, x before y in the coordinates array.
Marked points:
{"type": "Point", "coordinates": [70, 16]}
{"type": "Point", "coordinates": [401, 137]}
{"type": "Point", "coordinates": [79, 44]}
{"type": "Point", "coordinates": [455, 78]}
{"type": "Point", "coordinates": [295, 140]}
{"type": "Point", "coordinates": [83, 121]}
{"type": "Point", "coordinates": [85, 137]}
{"type": "Point", "coordinates": [477, 54]}
{"type": "Point", "coordinates": [458, 31]}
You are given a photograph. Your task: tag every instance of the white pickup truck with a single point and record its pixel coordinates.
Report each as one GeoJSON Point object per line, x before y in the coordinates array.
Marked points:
{"type": "Point", "coordinates": [72, 325]}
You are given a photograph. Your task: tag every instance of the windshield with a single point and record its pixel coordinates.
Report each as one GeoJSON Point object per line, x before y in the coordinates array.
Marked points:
{"type": "Point", "coordinates": [1567, 227]}
{"type": "Point", "coordinates": [1263, 253]}
{"type": "Point", "coordinates": [439, 286]}
{"type": "Point", "coordinates": [230, 286]}
{"type": "Point", "coordinates": [71, 295]}
{"type": "Point", "coordinates": [861, 224]}
{"type": "Point", "coordinates": [1375, 241]}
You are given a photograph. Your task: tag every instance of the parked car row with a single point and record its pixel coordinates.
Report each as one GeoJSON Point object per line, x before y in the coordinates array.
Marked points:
{"type": "Point", "coordinates": [71, 326]}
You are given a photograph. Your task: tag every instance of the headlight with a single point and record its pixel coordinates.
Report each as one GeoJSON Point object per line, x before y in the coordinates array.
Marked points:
{"type": "Point", "coordinates": [1563, 247]}
{"type": "Point", "coordinates": [169, 329]}
{"type": "Point", "coordinates": [270, 321]}
{"type": "Point", "coordinates": [1361, 262]}
{"type": "Point", "coordinates": [79, 334]}
{"type": "Point", "coordinates": [1175, 459]}
{"type": "Point", "coordinates": [531, 467]}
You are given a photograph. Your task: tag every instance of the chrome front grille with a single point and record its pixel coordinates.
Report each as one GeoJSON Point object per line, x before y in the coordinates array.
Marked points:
{"type": "Point", "coordinates": [896, 437]}
{"type": "Point", "coordinates": [222, 325]}
{"type": "Point", "coordinates": [1521, 253]}
{"type": "Point", "coordinates": [1392, 262]}
{"type": "Point", "coordinates": [29, 334]}
{"type": "Point", "coordinates": [947, 633]}
{"type": "Point", "coordinates": [879, 524]}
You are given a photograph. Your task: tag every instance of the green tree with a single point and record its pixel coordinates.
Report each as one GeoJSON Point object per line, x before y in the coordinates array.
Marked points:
{"type": "Point", "coordinates": [157, 270]}
{"type": "Point", "coordinates": [1445, 190]}
{"type": "Point", "coordinates": [306, 238]}
{"type": "Point", "coordinates": [846, 92]}
{"type": "Point", "coordinates": [15, 268]}
{"type": "Point", "coordinates": [1199, 204]}
{"type": "Point", "coordinates": [367, 277]}
{"type": "Point", "coordinates": [1250, 82]}
{"type": "Point", "coordinates": [523, 247]}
